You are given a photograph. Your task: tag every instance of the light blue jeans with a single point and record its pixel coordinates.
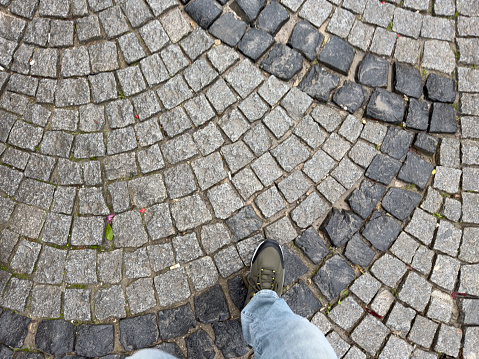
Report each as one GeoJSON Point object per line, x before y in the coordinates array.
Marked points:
{"type": "Point", "coordinates": [273, 331]}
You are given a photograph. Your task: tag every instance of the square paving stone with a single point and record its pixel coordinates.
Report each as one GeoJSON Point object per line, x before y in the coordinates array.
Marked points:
{"type": "Point", "coordinates": [103, 87]}
{"type": "Point", "coordinates": [146, 191]}
{"type": "Point", "coordinates": [422, 226]}
{"type": "Point", "coordinates": [113, 21]}
{"type": "Point", "coordinates": [383, 42]}
{"type": "Point", "coordinates": [373, 71]}
{"type": "Point", "coordinates": [340, 226]}
{"type": "Point", "coordinates": [374, 132]}
{"type": "Point", "coordinates": [172, 287]}
{"type": "Point", "coordinates": [175, 25]}
{"type": "Point", "coordinates": [214, 236]}
{"type": "Point", "coordinates": [236, 155]}
{"type": "Point", "coordinates": [318, 166]}
{"type": "Point", "coordinates": [174, 92]}
{"type": "Point", "coordinates": [381, 230]}
{"type": "Point", "coordinates": [270, 202]}
{"type": "Point", "coordinates": [400, 319]}
{"type": "Point", "coordinates": [440, 88]}
{"type": "Point", "coordinates": [26, 256]}
{"type": "Point", "coordinates": [470, 342]}
{"type": "Point", "coordinates": [258, 139]}
{"type": "Point", "coordinates": [246, 183]}
{"type": "Point", "coordinates": [358, 252]}
{"type": "Point", "coordinates": [449, 340]}
{"type": "Point", "coordinates": [452, 209]}
{"type": "Point", "coordinates": [281, 231]}
{"type": "Point", "coordinates": [282, 62]}
{"type": "Point", "coordinates": [416, 171]}
{"type": "Point", "coordinates": [77, 304]}
{"type": "Point", "coordinates": [301, 300]}
{"type": "Point", "coordinates": [228, 261]}
{"type": "Point", "coordinates": [199, 75]}
{"type": "Point", "coordinates": [423, 260]}
{"type": "Point", "coordinates": [138, 332]}
{"type": "Point", "coordinates": [72, 92]}
{"type": "Point", "coordinates": [311, 209]}
{"type": "Point", "coordinates": [176, 322]}
{"type": "Point", "coordinates": [310, 132]}
{"type": "Point", "coordinates": [335, 275]}
{"type": "Point", "coordinates": [86, 231]}
{"type": "Point", "coordinates": [88, 28]}
{"type": "Point", "coordinates": [469, 249]}
{"type": "Point", "coordinates": [94, 340]}
{"type": "Point", "coordinates": [253, 107]}
{"type": "Point", "coordinates": [10, 180]}
{"type": "Point", "coordinates": [365, 287]}
{"type": "Point", "coordinates": [46, 301]}
{"type": "Point", "coordinates": [316, 11]}
{"type": "Point", "coordinates": [234, 125]}
{"type": "Point", "coordinates": [468, 282]}
{"type": "Point", "coordinates": [92, 201]}
{"type": "Point", "coordinates": [202, 273]}
{"type": "Point", "coordinates": [199, 344]}
{"type": "Point", "coordinates": [362, 154]}
{"type": "Point", "coordinates": [137, 12]}
{"type": "Point", "coordinates": [103, 56]}
{"type": "Point", "coordinates": [370, 334]}
{"type": "Point", "coordinates": [224, 200]}
{"type": "Point", "coordinates": [228, 29]}
{"type": "Point", "coordinates": [341, 23]}
{"type": "Point", "coordinates": [222, 57]}
{"type": "Point", "coordinates": [186, 247]}
{"type": "Point", "coordinates": [131, 80]}
{"type": "Point", "coordinates": [468, 311]}
{"type": "Point", "coordinates": [136, 264]}
{"type": "Point", "coordinates": [318, 83]}
{"type": "Point", "coordinates": [346, 314]}
{"type": "Point", "coordinates": [426, 143]}
{"type": "Point", "coordinates": [55, 336]}
{"type": "Point", "coordinates": [161, 256]}
{"type": "Point", "coordinates": [396, 348]}
{"type": "Point", "coordinates": [196, 43]}
{"type": "Point", "coordinates": [14, 330]}
{"type": "Point", "coordinates": [272, 90]}
{"type": "Point", "coordinates": [443, 119]}
{"type": "Point", "coordinates": [278, 121]}
{"type": "Point", "coordinates": [447, 179]}
{"type": "Point", "coordinates": [423, 331]}
{"type": "Point", "coordinates": [331, 189]}
{"type": "Point", "coordinates": [378, 13]}
{"type": "Point", "coordinates": [179, 149]}
{"type": "Point", "coordinates": [199, 110]}
{"type": "Point", "coordinates": [247, 247]}
{"type": "Point", "coordinates": [63, 200]}
{"type": "Point", "coordinates": [364, 200]}
{"type": "Point", "coordinates": [418, 115]}
{"type": "Point", "coordinates": [294, 186]}
{"type": "Point", "coordinates": [190, 212]}
{"type": "Point", "coordinates": [337, 54]}
{"type": "Point", "coordinates": [203, 12]}
{"type": "Point", "coordinates": [383, 168]}
{"type": "Point", "coordinates": [361, 35]}
{"type": "Point", "coordinates": [208, 139]}
{"type": "Point", "coordinates": [290, 153]}
{"type": "Point", "coordinates": [272, 18]}
{"type": "Point", "coordinates": [229, 340]}
{"type": "Point", "coordinates": [408, 80]}
{"type": "Point", "coordinates": [154, 36]}
{"type": "Point", "coordinates": [312, 245]}
{"type": "Point", "coordinates": [148, 133]}
{"type": "Point", "coordinates": [16, 295]}
{"type": "Point", "coordinates": [175, 122]}
{"type": "Point", "coordinates": [128, 230]}
{"type": "Point", "coordinates": [244, 223]}
{"type": "Point", "coordinates": [437, 55]}
{"type": "Point", "coordinates": [244, 78]}
{"type": "Point", "coordinates": [80, 267]}
{"type": "Point", "coordinates": [110, 266]}
{"type": "Point", "coordinates": [350, 96]}
{"type": "Point", "coordinates": [389, 270]}
{"type": "Point", "coordinates": [339, 345]}
{"type": "Point", "coordinates": [407, 23]}
{"type": "Point", "coordinates": [400, 203]}
{"type": "Point", "coordinates": [386, 106]}
{"type": "Point", "coordinates": [179, 181]}
{"type": "Point", "coordinates": [255, 43]}
{"type": "Point", "coordinates": [27, 221]}
{"type": "Point", "coordinates": [416, 291]}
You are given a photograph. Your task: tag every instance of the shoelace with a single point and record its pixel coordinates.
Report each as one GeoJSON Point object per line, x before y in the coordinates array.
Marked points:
{"type": "Point", "coordinates": [263, 279]}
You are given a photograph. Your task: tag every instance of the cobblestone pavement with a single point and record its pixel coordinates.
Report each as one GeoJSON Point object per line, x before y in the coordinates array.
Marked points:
{"type": "Point", "coordinates": [347, 130]}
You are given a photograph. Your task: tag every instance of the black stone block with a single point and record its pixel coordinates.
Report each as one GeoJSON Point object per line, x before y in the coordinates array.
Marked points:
{"type": "Point", "coordinates": [211, 306]}
{"type": "Point", "coordinates": [312, 245]}
{"type": "Point", "coordinates": [13, 329]}
{"type": "Point", "coordinates": [440, 89]}
{"type": "Point", "coordinates": [408, 80]}
{"type": "Point", "coordinates": [443, 118]}
{"type": "Point", "coordinates": [383, 169]}
{"type": "Point", "coordinates": [417, 115]}
{"type": "Point", "coordinates": [350, 96]}
{"type": "Point", "coordinates": [255, 43]}
{"type": "Point", "coordinates": [222, 2]}
{"type": "Point", "coordinates": [171, 348]}
{"type": "Point", "coordinates": [282, 62]}
{"type": "Point", "coordinates": [244, 223]}
{"type": "Point", "coordinates": [293, 266]}
{"type": "Point", "coordinates": [416, 171]}
{"type": "Point", "coordinates": [200, 345]}
{"type": "Point", "coordinates": [426, 143]}
{"type": "Point", "coordinates": [318, 83]}
{"type": "Point", "coordinates": [363, 200]}
{"type": "Point", "coordinates": [306, 39]}
{"type": "Point", "coordinates": [55, 337]}
{"type": "Point", "coordinates": [335, 275]}
{"type": "Point", "coordinates": [229, 339]}
{"type": "Point", "coordinates": [94, 340]}
{"type": "Point", "coordinates": [248, 10]}
{"type": "Point", "coordinates": [337, 55]}
{"type": "Point", "coordinates": [228, 29]}
{"type": "Point", "coordinates": [203, 12]}
{"type": "Point", "coordinates": [381, 230]}
{"type": "Point", "coordinates": [373, 71]}
{"type": "Point", "coordinates": [400, 203]}
{"type": "Point", "coordinates": [5, 352]}
{"type": "Point", "coordinates": [238, 291]}
{"type": "Point", "coordinates": [176, 322]}
{"type": "Point", "coordinates": [301, 300]}
{"type": "Point", "coordinates": [340, 226]}
{"type": "Point", "coordinates": [397, 143]}
{"type": "Point", "coordinates": [272, 18]}
{"type": "Point", "coordinates": [138, 332]}
{"type": "Point", "coordinates": [385, 106]}
{"type": "Point", "coordinates": [358, 252]}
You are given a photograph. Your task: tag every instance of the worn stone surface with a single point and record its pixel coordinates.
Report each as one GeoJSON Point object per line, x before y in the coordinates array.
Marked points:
{"type": "Point", "coordinates": [337, 54]}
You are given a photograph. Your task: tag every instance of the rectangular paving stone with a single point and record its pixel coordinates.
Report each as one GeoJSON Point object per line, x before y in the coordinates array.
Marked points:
{"type": "Point", "coordinates": [154, 70]}
{"type": "Point", "coordinates": [16, 294]}
{"type": "Point", "coordinates": [174, 92]}
{"type": "Point", "coordinates": [246, 183]}
{"type": "Point", "coordinates": [80, 267]}
{"type": "Point", "coordinates": [136, 264]}
{"type": "Point", "coordinates": [189, 212]}
{"type": "Point", "coordinates": [208, 139]}
{"type": "Point", "coordinates": [110, 266]}
{"type": "Point", "coordinates": [224, 200]}
{"type": "Point", "coordinates": [158, 221]}
{"type": "Point", "coordinates": [103, 57]}
{"type": "Point", "coordinates": [423, 331]}
{"type": "Point", "coordinates": [175, 25]}
{"type": "Point", "coordinates": [179, 149]}
{"type": "Point", "coordinates": [172, 287]}
{"type": "Point", "coordinates": [270, 202]}
{"type": "Point", "coordinates": [131, 80]}
{"type": "Point", "coordinates": [370, 334]}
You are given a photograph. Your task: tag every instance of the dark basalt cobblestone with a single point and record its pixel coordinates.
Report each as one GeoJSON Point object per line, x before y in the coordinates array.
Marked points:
{"type": "Point", "coordinates": [204, 125]}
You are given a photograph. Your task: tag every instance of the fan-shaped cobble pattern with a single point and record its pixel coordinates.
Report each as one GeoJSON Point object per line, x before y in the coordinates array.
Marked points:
{"type": "Point", "coordinates": [346, 130]}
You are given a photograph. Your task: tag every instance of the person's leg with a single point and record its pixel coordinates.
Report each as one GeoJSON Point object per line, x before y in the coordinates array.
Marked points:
{"type": "Point", "coordinates": [274, 331]}
{"type": "Point", "coordinates": [151, 354]}
{"type": "Point", "coordinates": [269, 325]}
